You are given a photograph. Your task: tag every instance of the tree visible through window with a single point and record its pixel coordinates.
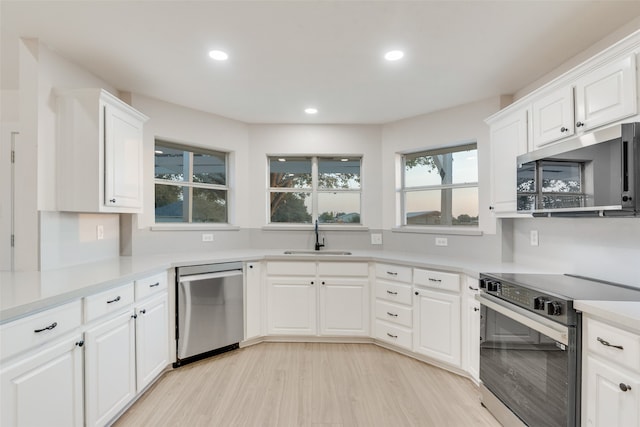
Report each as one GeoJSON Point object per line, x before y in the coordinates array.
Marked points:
{"type": "Point", "coordinates": [303, 189]}
{"type": "Point", "coordinates": [440, 187]}
{"type": "Point", "coordinates": [190, 184]}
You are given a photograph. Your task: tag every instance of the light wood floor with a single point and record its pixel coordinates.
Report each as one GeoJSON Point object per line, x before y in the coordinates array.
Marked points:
{"type": "Point", "coordinates": [309, 384]}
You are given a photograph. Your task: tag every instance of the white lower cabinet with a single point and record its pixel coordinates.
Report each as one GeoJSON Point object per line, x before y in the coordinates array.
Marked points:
{"type": "Point", "coordinates": [344, 307]}
{"type": "Point", "coordinates": [110, 368]}
{"type": "Point", "coordinates": [152, 339]}
{"type": "Point", "coordinates": [44, 388]}
{"type": "Point", "coordinates": [393, 305]}
{"type": "Point", "coordinates": [472, 342]}
{"type": "Point", "coordinates": [291, 306]}
{"type": "Point", "coordinates": [253, 300]}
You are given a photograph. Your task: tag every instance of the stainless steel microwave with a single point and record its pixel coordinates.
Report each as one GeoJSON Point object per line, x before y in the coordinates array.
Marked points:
{"type": "Point", "coordinates": [596, 174]}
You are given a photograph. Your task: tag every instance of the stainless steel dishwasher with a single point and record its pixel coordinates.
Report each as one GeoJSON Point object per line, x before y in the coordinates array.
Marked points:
{"type": "Point", "coordinates": [209, 310]}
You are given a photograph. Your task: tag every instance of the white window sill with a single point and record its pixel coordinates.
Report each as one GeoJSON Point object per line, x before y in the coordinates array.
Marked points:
{"type": "Point", "coordinates": [460, 231]}
{"type": "Point", "coordinates": [194, 227]}
{"type": "Point", "coordinates": [310, 227]}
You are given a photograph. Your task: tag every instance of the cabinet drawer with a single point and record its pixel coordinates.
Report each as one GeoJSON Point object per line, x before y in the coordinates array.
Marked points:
{"type": "Point", "coordinates": [30, 331]}
{"type": "Point", "coordinates": [343, 269]}
{"type": "Point", "coordinates": [437, 280]}
{"type": "Point", "coordinates": [302, 268]}
{"type": "Point", "coordinates": [394, 272]}
{"type": "Point", "coordinates": [150, 285]}
{"type": "Point", "coordinates": [107, 302]}
{"type": "Point", "coordinates": [394, 313]}
{"type": "Point", "coordinates": [394, 292]}
{"type": "Point", "coordinates": [600, 334]}
{"type": "Point", "coordinates": [393, 334]}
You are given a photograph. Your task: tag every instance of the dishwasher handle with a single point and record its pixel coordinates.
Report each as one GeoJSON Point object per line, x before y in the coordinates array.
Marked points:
{"type": "Point", "coordinates": [205, 276]}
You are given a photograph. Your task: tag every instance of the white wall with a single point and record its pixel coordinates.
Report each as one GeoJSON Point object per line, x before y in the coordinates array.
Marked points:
{"type": "Point", "coordinates": [444, 128]}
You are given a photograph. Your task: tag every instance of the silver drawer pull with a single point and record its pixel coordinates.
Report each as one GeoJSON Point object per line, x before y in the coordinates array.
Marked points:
{"type": "Point", "coordinates": [47, 328]}
{"type": "Point", "coordinates": [154, 285]}
{"type": "Point", "coordinates": [392, 314]}
{"type": "Point", "coordinates": [392, 273]}
{"type": "Point", "coordinates": [434, 280]}
{"type": "Point", "coordinates": [116, 299]}
{"type": "Point", "coordinates": [606, 343]}
{"type": "Point", "coordinates": [391, 335]}
{"type": "Point", "coordinates": [392, 293]}
{"type": "Point", "coordinates": [624, 387]}
{"type": "Point", "coordinates": [472, 288]}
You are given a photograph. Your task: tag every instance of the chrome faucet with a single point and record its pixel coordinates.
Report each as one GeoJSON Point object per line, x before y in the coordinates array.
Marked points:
{"type": "Point", "coordinates": [318, 244]}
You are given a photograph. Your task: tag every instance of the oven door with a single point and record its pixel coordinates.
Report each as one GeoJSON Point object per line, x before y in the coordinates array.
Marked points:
{"type": "Point", "coordinates": [528, 364]}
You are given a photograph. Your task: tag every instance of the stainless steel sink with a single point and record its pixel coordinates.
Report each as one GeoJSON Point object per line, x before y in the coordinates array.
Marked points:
{"type": "Point", "coordinates": [311, 252]}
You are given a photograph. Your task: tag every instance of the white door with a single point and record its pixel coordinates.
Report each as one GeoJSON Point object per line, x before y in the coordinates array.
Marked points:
{"type": "Point", "coordinates": [553, 117]}
{"type": "Point", "coordinates": [437, 326]}
{"type": "Point", "coordinates": [291, 306]}
{"type": "Point", "coordinates": [152, 339]}
{"type": "Point", "coordinates": [253, 300]}
{"type": "Point", "coordinates": [123, 159]}
{"type": "Point", "coordinates": [607, 94]}
{"type": "Point", "coordinates": [607, 402]}
{"type": "Point", "coordinates": [110, 374]}
{"type": "Point", "coordinates": [45, 388]}
{"type": "Point", "coordinates": [344, 307]}
{"type": "Point", "coordinates": [508, 141]}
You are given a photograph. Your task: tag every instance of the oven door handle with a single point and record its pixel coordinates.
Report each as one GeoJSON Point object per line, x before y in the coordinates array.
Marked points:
{"type": "Point", "coordinates": [545, 326]}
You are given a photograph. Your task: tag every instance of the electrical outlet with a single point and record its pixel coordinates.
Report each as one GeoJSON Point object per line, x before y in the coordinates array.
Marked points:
{"type": "Point", "coordinates": [441, 241]}
{"type": "Point", "coordinates": [376, 239]}
{"type": "Point", "coordinates": [533, 237]}
{"type": "Point", "coordinates": [99, 232]}
{"type": "Point", "coordinates": [207, 237]}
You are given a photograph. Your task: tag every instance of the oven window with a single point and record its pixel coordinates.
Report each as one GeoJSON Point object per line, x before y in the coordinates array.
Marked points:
{"type": "Point", "coordinates": [525, 369]}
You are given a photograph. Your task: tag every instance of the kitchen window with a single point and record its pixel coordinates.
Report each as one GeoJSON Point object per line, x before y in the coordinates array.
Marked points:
{"type": "Point", "coordinates": [305, 189]}
{"type": "Point", "coordinates": [440, 187]}
{"type": "Point", "coordinates": [191, 184]}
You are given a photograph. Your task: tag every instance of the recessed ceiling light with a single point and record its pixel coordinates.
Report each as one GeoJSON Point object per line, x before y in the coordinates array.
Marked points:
{"type": "Point", "coordinates": [281, 159]}
{"type": "Point", "coordinates": [218, 55]}
{"type": "Point", "coordinates": [393, 55]}
{"type": "Point", "coordinates": [159, 152]}
{"type": "Point", "coordinates": [344, 160]}
{"type": "Point", "coordinates": [311, 110]}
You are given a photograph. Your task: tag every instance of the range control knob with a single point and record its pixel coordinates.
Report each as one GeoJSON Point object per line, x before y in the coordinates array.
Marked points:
{"type": "Point", "coordinates": [554, 308]}
{"type": "Point", "coordinates": [494, 286]}
{"type": "Point", "coordinates": [538, 303]}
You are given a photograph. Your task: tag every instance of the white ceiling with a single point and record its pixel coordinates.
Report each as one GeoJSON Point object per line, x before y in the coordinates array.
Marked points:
{"type": "Point", "coordinates": [287, 55]}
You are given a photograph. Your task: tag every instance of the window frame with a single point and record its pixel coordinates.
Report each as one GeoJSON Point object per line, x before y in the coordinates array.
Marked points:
{"type": "Point", "coordinates": [403, 190]}
{"type": "Point", "coordinates": [314, 190]}
{"type": "Point", "coordinates": [190, 184]}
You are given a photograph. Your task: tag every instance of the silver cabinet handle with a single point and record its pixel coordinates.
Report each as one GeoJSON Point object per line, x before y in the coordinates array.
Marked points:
{"type": "Point", "coordinates": [564, 129]}
{"type": "Point", "coordinates": [143, 311]}
{"type": "Point", "coordinates": [391, 292]}
{"type": "Point", "coordinates": [392, 273]}
{"type": "Point", "coordinates": [46, 328]}
{"type": "Point", "coordinates": [607, 344]}
{"type": "Point", "coordinates": [391, 335]}
{"type": "Point", "coordinates": [112, 200]}
{"type": "Point", "coordinates": [476, 309]}
{"type": "Point", "coordinates": [625, 387]}
{"type": "Point", "coordinates": [116, 299]}
{"type": "Point", "coordinates": [579, 124]}
{"type": "Point", "coordinates": [80, 343]}
{"type": "Point", "coordinates": [434, 280]}
{"type": "Point", "coordinates": [154, 285]}
{"type": "Point", "coordinates": [472, 288]}
{"type": "Point", "coordinates": [392, 314]}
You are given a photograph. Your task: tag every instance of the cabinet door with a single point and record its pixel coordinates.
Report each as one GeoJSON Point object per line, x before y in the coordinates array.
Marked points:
{"type": "Point", "coordinates": [44, 389]}
{"type": "Point", "coordinates": [508, 141]}
{"type": "Point", "coordinates": [123, 159]}
{"type": "Point", "coordinates": [607, 405]}
{"type": "Point", "coordinates": [152, 339]}
{"type": "Point", "coordinates": [344, 307]}
{"type": "Point", "coordinates": [552, 117]}
{"type": "Point", "coordinates": [253, 300]}
{"type": "Point", "coordinates": [110, 374]}
{"type": "Point", "coordinates": [437, 326]}
{"type": "Point", "coordinates": [291, 306]}
{"type": "Point", "coordinates": [607, 94]}
{"type": "Point", "coordinates": [472, 343]}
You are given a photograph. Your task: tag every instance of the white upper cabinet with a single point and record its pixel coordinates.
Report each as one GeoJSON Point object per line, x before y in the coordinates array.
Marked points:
{"type": "Point", "coordinates": [99, 165]}
{"type": "Point", "coordinates": [607, 94]}
{"type": "Point", "coordinates": [553, 117]}
{"type": "Point", "coordinates": [508, 140]}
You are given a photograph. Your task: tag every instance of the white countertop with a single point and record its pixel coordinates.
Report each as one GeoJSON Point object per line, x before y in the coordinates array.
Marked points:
{"type": "Point", "coordinates": [22, 293]}
{"type": "Point", "coordinates": [624, 313]}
